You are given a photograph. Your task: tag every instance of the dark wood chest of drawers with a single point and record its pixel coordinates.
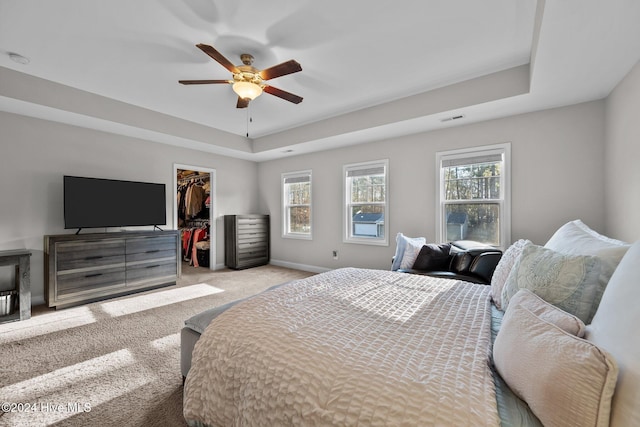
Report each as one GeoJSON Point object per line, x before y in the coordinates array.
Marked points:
{"type": "Point", "coordinates": [246, 241]}
{"type": "Point", "coordinates": [88, 267]}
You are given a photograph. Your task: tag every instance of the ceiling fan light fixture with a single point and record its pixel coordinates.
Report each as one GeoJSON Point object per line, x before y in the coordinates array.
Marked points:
{"type": "Point", "coordinates": [247, 90]}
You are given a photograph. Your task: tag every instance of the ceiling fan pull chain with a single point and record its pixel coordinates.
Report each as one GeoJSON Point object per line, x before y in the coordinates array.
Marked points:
{"type": "Point", "coordinates": [249, 119]}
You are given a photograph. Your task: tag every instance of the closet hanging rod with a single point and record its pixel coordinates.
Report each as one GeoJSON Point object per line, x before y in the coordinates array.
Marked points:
{"type": "Point", "coordinates": [193, 176]}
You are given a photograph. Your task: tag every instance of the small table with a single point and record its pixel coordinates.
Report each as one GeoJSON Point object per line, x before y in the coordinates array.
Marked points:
{"type": "Point", "coordinates": [20, 258]}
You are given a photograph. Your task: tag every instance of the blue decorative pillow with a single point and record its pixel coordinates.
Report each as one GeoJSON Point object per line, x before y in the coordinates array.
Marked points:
{"type": "Point", "coordinates": [574, 283]}
{"type": "Point", "coordinates": [402, 242]}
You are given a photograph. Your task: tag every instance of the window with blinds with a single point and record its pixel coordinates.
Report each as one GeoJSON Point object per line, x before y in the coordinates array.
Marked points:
{"type": "Point", "coordinates": [473, 195]}
{"type": "Point", "coordinates": [296, 210]}
{"type": "Point", "coordinates": [366, 203]}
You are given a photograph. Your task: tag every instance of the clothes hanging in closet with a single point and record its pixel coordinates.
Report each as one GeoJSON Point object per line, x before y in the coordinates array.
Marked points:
{"type": "Point", "coordinates": [191, 236]}
{"type": "Point", "coordinates": [194, 201]}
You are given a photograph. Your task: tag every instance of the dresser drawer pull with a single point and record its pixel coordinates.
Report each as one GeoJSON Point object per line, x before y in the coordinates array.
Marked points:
{"type": "Point", "coordinates": [152, 251]}
{"type": "Point", "coordinates": [93, 275]}
{"type": "Point", "coordinates": [93, 257]}
{"type": "Point", "coordinates": [153, 266]}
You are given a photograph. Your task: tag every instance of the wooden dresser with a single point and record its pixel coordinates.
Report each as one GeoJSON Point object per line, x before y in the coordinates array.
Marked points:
{"type": "Point", "coordinates": [87, 267]}
{"type": "Point", "coordinates": [246, 241]}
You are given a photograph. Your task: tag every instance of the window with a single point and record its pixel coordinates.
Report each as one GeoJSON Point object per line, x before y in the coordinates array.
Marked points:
{"type": "Point", "coordinates": [474, 196]}
{"type": "Point", "coordinates": [366, 203]}
{"type": "Point", "coordinates": [296, 199]}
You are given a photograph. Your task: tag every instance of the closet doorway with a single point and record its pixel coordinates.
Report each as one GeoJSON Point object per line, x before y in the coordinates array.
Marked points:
{"type": "Point", "coordinates": [194, 214]}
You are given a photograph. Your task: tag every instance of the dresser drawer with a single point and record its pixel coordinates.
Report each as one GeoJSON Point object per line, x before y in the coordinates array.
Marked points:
{"type": "Point", "coordinates": [251, 221]}
{"type": "Point", "coordinates": [249, 228]}
{"type": "Point", "coordinates": [254, 250]}
{"type": "Point", "coordinates": [151, 244]}
{"type": "Point", "coordinates": [251, 239]}
{"type": "Point", "coordinates": [89, 281]}
{"type": "Point", "coordinates": [141, 273]}
{"type": "Point", "coordinates": [165, 255]}
{"type": "Point", "coordinates": [244, 246]}
{"type": "Point", "coordinates": [82, 255]}
{"type": "Point", "coordinates": [252, 262]}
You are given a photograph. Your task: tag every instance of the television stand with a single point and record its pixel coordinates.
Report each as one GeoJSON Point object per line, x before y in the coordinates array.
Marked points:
{"type": "Point", "coordinates": [78, 232]}
{"type": "Point", "coordinates": [89, 267]}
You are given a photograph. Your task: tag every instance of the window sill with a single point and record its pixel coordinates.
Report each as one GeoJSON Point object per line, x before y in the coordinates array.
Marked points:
{"type": "Point", "coordinates": [298, 236]}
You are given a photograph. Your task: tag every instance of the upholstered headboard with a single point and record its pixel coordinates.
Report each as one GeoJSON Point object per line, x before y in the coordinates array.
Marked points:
{"type": "Point", "coordinates": [614, 328]}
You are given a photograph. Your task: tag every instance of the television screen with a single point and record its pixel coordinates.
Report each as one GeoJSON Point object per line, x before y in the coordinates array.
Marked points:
{"type": "Point", "coordinates": [95, 202]}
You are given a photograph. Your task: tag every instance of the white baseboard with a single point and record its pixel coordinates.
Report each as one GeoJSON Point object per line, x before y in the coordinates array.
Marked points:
{"type": "Point", "coordinates": [296, 266]}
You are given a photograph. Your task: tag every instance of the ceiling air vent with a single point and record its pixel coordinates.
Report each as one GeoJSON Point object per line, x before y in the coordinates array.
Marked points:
{"type": "Point", "coordinates": [448, 119]}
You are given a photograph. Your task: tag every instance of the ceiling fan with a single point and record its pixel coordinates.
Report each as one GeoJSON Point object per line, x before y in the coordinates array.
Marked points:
{"type": "Point", "coordinates": [249, 82]}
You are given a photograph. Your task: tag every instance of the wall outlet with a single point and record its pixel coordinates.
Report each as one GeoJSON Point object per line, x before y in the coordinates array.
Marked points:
{"type": "Point", "coordinates": [335, 254]}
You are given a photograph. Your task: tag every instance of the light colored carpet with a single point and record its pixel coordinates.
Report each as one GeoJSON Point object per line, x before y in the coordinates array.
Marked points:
{"type": "Point", "coordinates": [115, 362]}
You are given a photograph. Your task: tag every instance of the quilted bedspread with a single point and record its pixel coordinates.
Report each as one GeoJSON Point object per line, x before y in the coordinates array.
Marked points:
{"type": "Point", "coordinates": [348, 347]}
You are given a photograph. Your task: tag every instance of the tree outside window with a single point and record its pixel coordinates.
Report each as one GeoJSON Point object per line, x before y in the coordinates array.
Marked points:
{"type": "Point", "coordinates": [366, 202]}
{"type": "Point", "coordinates": [474, 201]}
{"type": "Point", "coordinates": [296, 196]}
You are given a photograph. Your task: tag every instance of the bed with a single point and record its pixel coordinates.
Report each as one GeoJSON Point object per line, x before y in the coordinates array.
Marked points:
{"type": "Point", "coordinates": [371, 347]}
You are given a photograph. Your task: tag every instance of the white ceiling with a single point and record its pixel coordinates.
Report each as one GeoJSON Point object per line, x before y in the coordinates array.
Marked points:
{"type": "Point", "coordinates": [371, 69]}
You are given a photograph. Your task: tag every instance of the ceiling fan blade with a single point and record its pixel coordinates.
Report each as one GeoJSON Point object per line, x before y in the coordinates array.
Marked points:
{"type": "Point", "coordinates": [242, 102]}
{"type": "Point", "coordinates": [283, 94]}
{"type": "Point", "coordinates": [201, 82]}
{"type": "Point", "coordinates": [209, 50]}
{"type": "Point", "coordinates": [283, 69]}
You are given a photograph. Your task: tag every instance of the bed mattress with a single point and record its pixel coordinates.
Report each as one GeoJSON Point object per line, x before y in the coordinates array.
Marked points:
{"type": "Point", "coordinates": [348, 347]}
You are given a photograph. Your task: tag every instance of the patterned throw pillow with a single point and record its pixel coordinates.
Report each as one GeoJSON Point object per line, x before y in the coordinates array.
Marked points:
{"type": "Point", "coordinates": [574, 283]}
{"type": "Point", "coordinates": [503, 269]}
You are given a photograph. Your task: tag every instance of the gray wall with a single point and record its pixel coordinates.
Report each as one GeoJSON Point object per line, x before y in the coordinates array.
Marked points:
{"type": "Point", "coordinates": [557, 173]}
{"type": "Point", "coordinates": [623, 158]}
{"type": "Point", "coordinates": [35, 154]}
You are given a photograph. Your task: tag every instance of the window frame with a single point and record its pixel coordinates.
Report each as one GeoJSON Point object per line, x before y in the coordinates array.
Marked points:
{"type": "Point", "coordinates": [285, 206]}
{"type": "Point", "coordinates": [504, 202]}
{"type": "Point", "coordinates": [347, 236]}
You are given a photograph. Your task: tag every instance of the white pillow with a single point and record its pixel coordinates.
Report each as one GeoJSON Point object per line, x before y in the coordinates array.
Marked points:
{"type": "Point", "coordinates": [565, 380]}
{"type": "Point", "coordinates": [503, 269]}
{"type": "Point", "coordinates": [576, 238]}
{"type": "Point", "coordinates": [574, 283]}
{"type": "Point", "coordinates": [549, 312]}
{"type": "Point", "coordinates": [615, 328]}
{"type": "Point", "coordinates": [402, 243]}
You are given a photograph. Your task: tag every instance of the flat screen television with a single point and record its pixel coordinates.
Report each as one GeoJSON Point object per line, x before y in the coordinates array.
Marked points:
{"type": "Point", "coordinates": [97, 202]}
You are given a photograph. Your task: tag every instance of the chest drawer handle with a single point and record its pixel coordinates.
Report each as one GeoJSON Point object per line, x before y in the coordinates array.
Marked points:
{"type": "Point", "coordinates": [153, 266]}
{"type": "Point", "coordinates": [93, 257]}
{"type": "Point", "coordinates": [93, 275]}
{"type": "Point", "coordinates": [153, 251]}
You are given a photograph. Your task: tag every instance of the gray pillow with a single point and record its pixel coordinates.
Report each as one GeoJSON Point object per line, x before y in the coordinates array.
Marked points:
{"type": "Point", "coordinates": [574, 283]}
